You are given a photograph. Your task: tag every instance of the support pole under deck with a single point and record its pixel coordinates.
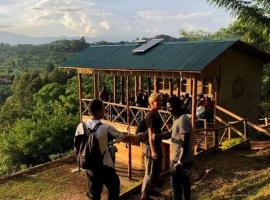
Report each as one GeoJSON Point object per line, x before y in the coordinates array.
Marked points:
{"type": "Point", "coordinates": [80, 93]}
{"type": "Point", "coordinates": [128, 129]}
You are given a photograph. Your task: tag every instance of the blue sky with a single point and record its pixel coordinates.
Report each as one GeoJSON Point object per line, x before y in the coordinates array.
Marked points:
{"type": "Point", "coordinates": [111, 20]}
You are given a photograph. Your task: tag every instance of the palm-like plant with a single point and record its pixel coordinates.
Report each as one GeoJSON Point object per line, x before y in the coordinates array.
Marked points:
{"type": "Point", "coordinates": [255, 12]}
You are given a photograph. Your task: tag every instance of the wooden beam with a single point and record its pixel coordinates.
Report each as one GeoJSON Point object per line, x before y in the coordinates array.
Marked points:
{"type": "Point", "coordinates": [149, 85]}
{"type": "Point", "coordinates": [98, 85]}
{"type": "Point", "coordinates": [114, 89]}
{"type": "Point", "coordinates": [140, 86]}
{"type": "Point", "coordinates": [194, 102]}
{"type": "Point", "coordinates": [179, 87]}
{"type": "Point", "coordinates": [95, 86]}
{"type": "Point", "coordinates": [80, 93]}
{"type": "Point", "coordinates": [155, 84]}
{"type": "Point", "coordinates": [122, 90]}
{"type": "Point", "coordinates": [136, 84]}
{"type": "Point", "coordinates": [163, 84]}
{"type": "Point", "coordinates": [171, 87]}
{"type": "Point", "coordinates": [216, 99]}
{"type": "Point", "coordinates": [128, 130]}
{"type": "Point", "coordinates": [127, 90]}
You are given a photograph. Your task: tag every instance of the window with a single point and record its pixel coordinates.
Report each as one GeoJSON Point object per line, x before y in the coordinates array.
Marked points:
{"type": "Point", "coordinates": [238, 88]}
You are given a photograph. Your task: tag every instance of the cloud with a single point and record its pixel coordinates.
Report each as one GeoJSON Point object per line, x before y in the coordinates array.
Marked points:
{"type": "Point", "coordinates": [105, 24]}
{"type": "Point", "coordinates": [107, 20]}
{"type": "Point", "coordinates": [63, 5]}
{"type": "Point", "coordinates": [163, 16]}
{"type": "Point", "coordinates": [5, 26]}
{"type": "Point", "coordinates": [78, 15]}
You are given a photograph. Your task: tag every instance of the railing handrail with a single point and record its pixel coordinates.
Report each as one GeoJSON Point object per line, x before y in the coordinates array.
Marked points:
{"type": "Point", "coordinates": [230, 124]}
{"type": "Point", "coordinates": [229, 112]}
{"type": "Point", "coordinates": [249, 123]}
{"type": "Point", "coordinates": [262, 119]}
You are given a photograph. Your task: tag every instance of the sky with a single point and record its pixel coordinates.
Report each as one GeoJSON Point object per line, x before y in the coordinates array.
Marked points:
{"type": "Point", "coordinates": [111, 20]}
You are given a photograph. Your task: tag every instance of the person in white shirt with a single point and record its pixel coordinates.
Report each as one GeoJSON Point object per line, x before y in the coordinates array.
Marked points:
{"type": "Point", "coordinates": [106, 174]}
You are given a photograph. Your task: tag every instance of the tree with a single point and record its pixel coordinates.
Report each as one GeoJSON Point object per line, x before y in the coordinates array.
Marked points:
{"type": "Point", "coordinates": [253, 12]}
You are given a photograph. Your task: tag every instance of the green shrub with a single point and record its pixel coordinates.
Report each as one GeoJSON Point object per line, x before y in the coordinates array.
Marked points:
{"type": "Point", "coordinates": [229, 143]}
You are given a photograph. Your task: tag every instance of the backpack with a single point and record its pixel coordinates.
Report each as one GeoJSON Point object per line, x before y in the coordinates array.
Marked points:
{"type": "Point", "coordinates": [87, 149]}
{"type": "Point", "coordinates": [142, 129]}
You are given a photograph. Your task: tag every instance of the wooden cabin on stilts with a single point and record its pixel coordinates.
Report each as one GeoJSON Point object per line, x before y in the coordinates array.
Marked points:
{"type": "Point", "coordinates": [228, 72]}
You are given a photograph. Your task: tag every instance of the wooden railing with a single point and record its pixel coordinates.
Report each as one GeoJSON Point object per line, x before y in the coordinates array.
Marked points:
{"type": "Point", "coordinates": [232, 125]}
{"type": "Point", "coordinates": [213, 137]}
{"type": "Point", "coordinates": [119, 113]}
{"type": "Point", "coordinates": [250, 124]}
{"type": "Point", "coordinates": [264, 122]}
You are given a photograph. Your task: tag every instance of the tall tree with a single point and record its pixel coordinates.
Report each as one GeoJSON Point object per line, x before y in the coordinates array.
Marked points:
{"type": "Point", "coordinates": [255, 12]}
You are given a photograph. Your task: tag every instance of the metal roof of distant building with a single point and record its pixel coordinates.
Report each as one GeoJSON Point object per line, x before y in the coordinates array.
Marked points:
{"type": "Point", "coordinates": [171, 56]}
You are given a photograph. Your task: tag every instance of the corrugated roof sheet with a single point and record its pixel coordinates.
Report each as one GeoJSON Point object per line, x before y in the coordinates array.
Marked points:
{"type": "Point", "coordinates": [176, 56]}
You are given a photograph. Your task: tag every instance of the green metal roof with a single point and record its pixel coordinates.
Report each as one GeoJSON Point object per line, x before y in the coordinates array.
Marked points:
{"type": "Point", "coordinates": [176, 56]}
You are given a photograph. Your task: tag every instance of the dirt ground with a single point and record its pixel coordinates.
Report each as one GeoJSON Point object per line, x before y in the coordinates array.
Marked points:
{"type": "Point", "coordinates": [236, 175]}
{"type": "Point", "coordinates": [59, 183]}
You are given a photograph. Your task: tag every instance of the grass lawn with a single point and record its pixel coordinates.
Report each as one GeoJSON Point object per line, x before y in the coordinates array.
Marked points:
{"type": "Point", "coordinates": [57, 183]}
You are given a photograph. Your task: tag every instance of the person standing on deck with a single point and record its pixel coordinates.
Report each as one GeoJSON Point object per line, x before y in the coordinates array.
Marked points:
{"type": "Point", "coordinates": [153, 147]}
{"type": "Point", "coordinates": [106, 174]}
{"type": "Point", "coordinates": [182, 151]}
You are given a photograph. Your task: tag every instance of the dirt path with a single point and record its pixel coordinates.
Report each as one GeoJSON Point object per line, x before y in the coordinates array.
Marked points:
{"type": "Point", "coordinates": [234, 175]}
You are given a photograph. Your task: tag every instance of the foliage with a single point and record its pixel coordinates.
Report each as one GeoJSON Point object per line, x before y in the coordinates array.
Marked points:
{"type": "Point", "coordinates": [255, 12]}
{"type": "Point", "coordinates": [229, 143]}
{"type": "Point", "coordinates": [38, 119]}
{"type": "Point", "coordinates": [39, 56]}
{"type": "Point", "coordinates": [5, 91]}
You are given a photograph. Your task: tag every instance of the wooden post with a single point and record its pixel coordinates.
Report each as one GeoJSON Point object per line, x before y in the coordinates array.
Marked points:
{"type": "Point", "coordinates": [122, 90]}
{"type": "Point", "coordinates": [179, 87]}
{"type": "Point", "coordinates": [194, 102]}
{"type": "Point", "coordinates": [155, 84]}
{"type": "Point", "coordinates": [163, 84]}
{"type": "Point", "coordinates": [80, 93]}
{"type": "Point", "coordinates": [171, 87]}
{"type": "Point", "coordinates": [114, 88]}
{"type": "Point", "coordinates": [229, 131]}
{"type": "Point", "coordinates": [128, 130]}
{"type": "Point", "coordinates": [98, 85]}
{"type": "Point", "coordinates": [149, 85]}
{"type": "Point", "coordinates": [266, 121]}
{"type": "Point", "coordinates": [140, 86]}
{"type": "Point", "coordinates": [205, 138]}
{"type": "Point", "coordinates": [136, 87]}
{"type": "Point", "coordinates": [95, 86]}
{"type": "Point", "coordinates": [245, 130]}
{"type": "Point", "coordinates": [216, 99]}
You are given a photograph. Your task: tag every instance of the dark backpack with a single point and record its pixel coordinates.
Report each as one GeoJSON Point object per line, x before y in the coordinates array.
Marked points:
{"type": "Point", "coordinates": [87, 149]}
{"type": "Point", "coordinates": [142, 128]}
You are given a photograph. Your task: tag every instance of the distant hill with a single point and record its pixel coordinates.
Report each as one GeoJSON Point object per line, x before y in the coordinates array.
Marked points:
{"type": "Point", "coordinates": [167, 38]}
{"type": "Point", "coordinates": [14, 38]}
